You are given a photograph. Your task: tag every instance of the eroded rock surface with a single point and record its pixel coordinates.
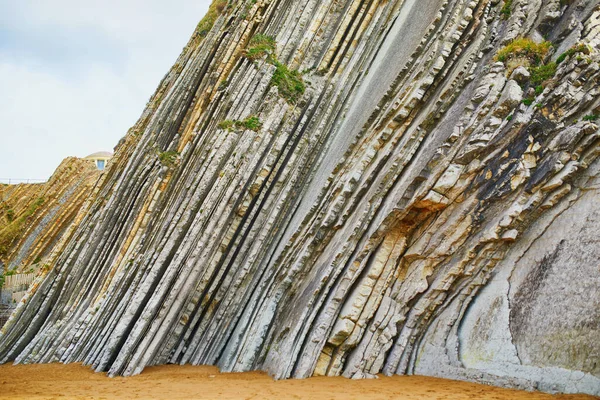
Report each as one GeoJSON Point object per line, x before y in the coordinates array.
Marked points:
{"type": "Point", "coordinates": [415, 199]}
{"type": "Point", "coordinates": [36, 221]}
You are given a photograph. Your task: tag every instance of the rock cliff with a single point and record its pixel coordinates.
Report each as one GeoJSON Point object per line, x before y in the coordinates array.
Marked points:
{"type": "Point", "coordinates": [348, 187]}
{"type": "Point", "coordinates": [36, 221]}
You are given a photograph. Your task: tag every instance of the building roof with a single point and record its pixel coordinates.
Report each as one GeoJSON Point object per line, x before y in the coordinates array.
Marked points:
{"type": "Point", "coordinates": [100, 154]}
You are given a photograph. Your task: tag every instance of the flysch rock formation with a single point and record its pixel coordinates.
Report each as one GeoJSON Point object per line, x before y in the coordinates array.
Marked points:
{"type": "Point", "coordinates": [348, 187]}
{"type": "Point", "coordinates": [36, 221]}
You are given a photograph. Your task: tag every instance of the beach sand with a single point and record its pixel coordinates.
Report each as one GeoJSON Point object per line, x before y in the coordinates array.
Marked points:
{"type": "Point", "coordinates": [57, 381]}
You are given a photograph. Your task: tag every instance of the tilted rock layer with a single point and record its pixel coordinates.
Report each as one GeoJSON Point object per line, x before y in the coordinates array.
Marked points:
{"type": "Point", "coordinates": [34, 217]}
{"type": "Point", "coordinates": [36, 221]}
{"type": "Point", "coordinates": [421, 197]}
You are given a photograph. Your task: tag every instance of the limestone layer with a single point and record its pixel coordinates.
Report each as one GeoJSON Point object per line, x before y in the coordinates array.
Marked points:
{"type": "Point", "coordinates": [349, 187]}
{"type": "Point", "coordinates": [34, 217]}
{"type": "Point", "coordinates": [36, 221]}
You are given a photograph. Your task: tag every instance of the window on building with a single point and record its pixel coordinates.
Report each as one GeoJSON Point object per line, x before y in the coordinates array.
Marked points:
{"type": "Point", "coordinates": [100, 164]}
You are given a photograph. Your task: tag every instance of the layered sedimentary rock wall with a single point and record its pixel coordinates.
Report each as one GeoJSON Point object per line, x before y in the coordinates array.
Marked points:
{"type": "Point", "coordinates": [34, 217]}
{"type": "Point", "coordinates": [36, 221]}
{"type": "Point", "coordinates": [324, 187]}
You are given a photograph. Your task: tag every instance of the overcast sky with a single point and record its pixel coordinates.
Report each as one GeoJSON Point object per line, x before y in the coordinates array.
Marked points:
{"type": "Point", "coordinates": [76, 74]}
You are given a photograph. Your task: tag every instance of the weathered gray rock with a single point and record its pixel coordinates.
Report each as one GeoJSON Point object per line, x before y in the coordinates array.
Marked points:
{"type": "Point", "coordinates": [402, 215]}
{"type": "Point", "coordinates": [521, 75]}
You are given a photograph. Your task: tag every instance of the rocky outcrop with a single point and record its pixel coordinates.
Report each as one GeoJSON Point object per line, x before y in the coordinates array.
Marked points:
{"type": "Point", "coordinates": [34, 217]}
{"type": "Point", "coordinates": [36, 220]}
{"type": "Point", "coordinates": [348, 188]}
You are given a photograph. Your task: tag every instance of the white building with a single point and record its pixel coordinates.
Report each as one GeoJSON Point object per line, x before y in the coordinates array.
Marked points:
{"type": "Point", "coordinates": [100, 158]}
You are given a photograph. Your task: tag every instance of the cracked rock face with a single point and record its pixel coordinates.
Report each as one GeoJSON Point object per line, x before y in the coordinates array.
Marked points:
{"type": "Point", "coordinates": [408, 201]}
{"type": "Point", "coordinates": [36, 221]}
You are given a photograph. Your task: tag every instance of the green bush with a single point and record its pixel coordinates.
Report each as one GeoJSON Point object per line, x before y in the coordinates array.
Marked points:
{"type": "Point", "coordinates": [289, 82]}
{"type": "Point", "coordinates": [523, 47]}
{"type": "Point", "coordinates": [542, 73]}
{"type": "Point", "coordinates": [260, 45]}
{"type": "Point", "coordinates": [528, 102]}
{"type": "Point", "coordinates": [252, 123]}
{"type": "Point", "coordinates": [506, 9]}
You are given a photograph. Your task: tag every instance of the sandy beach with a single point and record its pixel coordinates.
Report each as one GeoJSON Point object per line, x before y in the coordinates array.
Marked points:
{"type": "Point", "coordinates": [57, 381]}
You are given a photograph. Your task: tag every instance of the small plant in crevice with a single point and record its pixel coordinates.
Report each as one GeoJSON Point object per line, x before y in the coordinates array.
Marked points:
{"type": "Point", "coordinates": [580, 48]}
{"type": "Point", "coordinates": [542, 73]}
{"type": "Point", "coordinates": [289, 82]}
{"type": "Point", "coordinates": [226, 125]}
{"type": "Point", "coordinates": [528, 101]}
{"type": "Point", "coordinates": [223, 85]}
{"type": "Point", "coordinates": [10, 215]}
{"type": "Point", "coordinates": [590, 117]}
{"type": "Point", "coordinates": [539, 89]}
{"type": "Point", "coordinates": [260, 45]}
{"type": "Point", "coordinates": [251, 123]}
{"type": "Point", "coordinates": [168, 158]}
{"type": "Point", "coordinates": [505, 11]}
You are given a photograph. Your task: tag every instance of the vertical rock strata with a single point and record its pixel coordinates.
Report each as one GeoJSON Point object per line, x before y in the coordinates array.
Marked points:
{"type": "Point", "coordinates": [416, 199]}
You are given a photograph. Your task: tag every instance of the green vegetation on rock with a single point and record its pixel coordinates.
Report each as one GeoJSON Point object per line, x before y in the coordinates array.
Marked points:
{"type": "Point", "coordinates": [260, 45]}
{"type": "Point", "coordinates": [289, 82]}
{"type": "Point", "coordinates": [251, 123]}
{"type": "Point", "coordinates": [168, 158]}
{"type": "Point", "coordinates": [214, 10]}
{"type": "Point", "coordinates": [580, 48]}
{"type": "Point", "coordinates": [539, 89]}
{"type": "Point", "coordinates": [506, 9]}
{"type": "Point", "coordinates": [591, 117]}
{"type": "Point", "coordinates": [13, 230]}
{"type": "Point", "coordinates": [524, 48]}
{"type": "Point", "coordinates": [542, 73]}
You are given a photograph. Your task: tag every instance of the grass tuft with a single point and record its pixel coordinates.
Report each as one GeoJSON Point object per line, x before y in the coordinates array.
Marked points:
{"type": "Point", "coordinates": [523, 47]}
{"type": "Point", "coordinates": [580, 48]}
{"type": "Point", "coordinates": [260, 45]}
{"type": "Point", "coordinates": [251, 123]}
{"type": "Point", "coordinates": [289, 82]}
{"type": "Point", "coordinates": [542, 73]}
{"type": "Point", "coordinates": [506, 9]}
